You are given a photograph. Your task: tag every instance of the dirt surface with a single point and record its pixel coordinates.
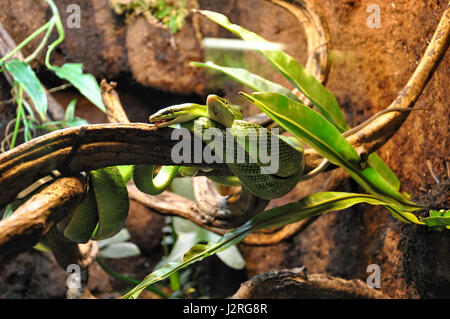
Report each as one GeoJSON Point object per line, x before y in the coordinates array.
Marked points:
{"type": "Point", "coordinates": [369, 67]}
{"type": "Point", "coordinates": [414, 261]}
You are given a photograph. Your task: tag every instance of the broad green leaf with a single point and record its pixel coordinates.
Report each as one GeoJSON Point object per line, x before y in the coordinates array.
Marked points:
{"type": "Point", "coordinates": [190, 234]}
{"type": "Point", "coordinates": [253, 81]}
{"type": "Point", "coordinates": [25, 76]}
{"type": "Point", "coordinates": [311, 128]}
{"type": "Point", "coordinates": [292, 70]}
{"type": "Point", "coordinates": [438, 221]}
{"type": "Point", "coordinates": [76, 121]}
{"type": "Point", "coordinates": [119, 250]}
{"type": "Point", "coordinates": [185, 226]}
{"type": "Point", "coordinates": [312, 205]}
{"type": "Point", "coordinates": [85, 83]}
{"type": "Point", "coordinates": [120, 237]}
{"type": "Point", "coordinates": [232, 257]}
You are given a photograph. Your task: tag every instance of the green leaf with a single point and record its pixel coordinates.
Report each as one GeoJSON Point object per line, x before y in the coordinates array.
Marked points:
{"type": "Point", "coordinates": [8, 212]}
{"type": "Point", "coordinates": [190, 234]}
{"type": "Point", "coordinates": [173, 24]}
{"type": "Point", "coordinates": [405, 216]}
{"type": "Point", "coordinates": [230, 257]}
{"type": "Point", "coordinates": [120, 237]}
{"type": "Point", "coordinates": [85, 83]}
{"type": "Point", "coordinates": [291, 70]}
{"type": "Point", "coordinates": [311, 128]}
{"type": "Point", "coordinates": [308, 126]}
{"type": "Point", "coordinates": [25, 76]}
{"type": "Point", "coordinates": [70, 111]}
{"type": "Point", "coordinates": [76, 121]}
{"type": "Point", "coordinates": [183, 187]}
{"type": "Point", "coordinates": [41, 246]}
{"type": "Point", "coordinates": [383, 170]}
{"type": "Point", "coordinates": [253, 81]}
{"type": "Point", "coordinates": [312, 205]}
{"type": "Point", "coordinates": [439, 220]}
{"type": "Point", "coordinates": [119, 250]}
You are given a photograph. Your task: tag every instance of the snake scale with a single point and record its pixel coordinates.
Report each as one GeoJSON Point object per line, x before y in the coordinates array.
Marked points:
{"type": "Point", "coordinates": [219, 114]}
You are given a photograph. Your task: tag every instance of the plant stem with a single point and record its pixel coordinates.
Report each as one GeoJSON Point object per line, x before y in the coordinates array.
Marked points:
{"type": "Point", "coordinates": [175, 277]}
{"type": "Point", "coordinates": [25, 42]}
{"type": "Point", "coordinates": [19, 116]}
{"type": "Point", "coordinates": [59, 26]}
{"type": "Point", "coordinates": [129, 280]}
{"type": "Point", "coordinates": [43, 42]}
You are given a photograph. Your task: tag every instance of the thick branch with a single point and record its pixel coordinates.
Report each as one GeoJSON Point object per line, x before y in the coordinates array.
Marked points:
{"type": "Point", "coordinates": [295, 284]}
{"type": "Point", "coordinates": [377, 133]}
{"type": "Point", "coordinates": [31, 221]}
{"type": "Point", "coordinates": [102, 145]}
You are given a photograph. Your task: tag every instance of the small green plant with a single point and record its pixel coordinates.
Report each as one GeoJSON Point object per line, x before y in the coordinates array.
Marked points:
{"type": "Point", "coordinates": [33, 116]}
{"type": "Point", "coordinates": [92, 218]}
{"type": "Point", "coordinates": [171, 13]}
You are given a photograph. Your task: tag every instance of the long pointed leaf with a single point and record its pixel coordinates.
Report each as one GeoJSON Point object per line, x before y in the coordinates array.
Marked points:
{"type": "Point", "coordinates": [307, 84]}
{"type": "Point", "coordinates": [312, 205]}
{"type": "Point", "coordinates": [308, 126]}
{"type": "Point", "coordinates": [253, 81]}
{"type": "Point", "coordinates": [292, 70]}
{"type": "Point", "coordinates": [311, 128]}
{"type": "Point", "coordinates": [85, 83]}
{"type": "Point", "coordinates": [383, 170]}
{"type": "Point", "coordinates": [25, 76]}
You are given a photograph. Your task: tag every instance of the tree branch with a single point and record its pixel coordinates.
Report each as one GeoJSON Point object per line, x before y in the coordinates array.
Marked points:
{"type": "Point", "coordinates": [33, 220]}
{"type": "Point", "coordinates": [296, 284]}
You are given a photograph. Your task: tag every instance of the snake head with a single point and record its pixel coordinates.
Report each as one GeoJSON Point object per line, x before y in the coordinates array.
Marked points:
{"type": "Point", "coordinates": [176, 114]}
{"type": "Point", "coordinates": [221, 111]}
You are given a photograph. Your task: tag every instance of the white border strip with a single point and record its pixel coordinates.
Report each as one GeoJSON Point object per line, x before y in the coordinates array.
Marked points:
{"type": "Point", "coordinates": [240, 45]}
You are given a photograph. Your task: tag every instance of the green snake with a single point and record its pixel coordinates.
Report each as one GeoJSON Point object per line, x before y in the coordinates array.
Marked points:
{"type": "Point", "coordinates": [219, 114]}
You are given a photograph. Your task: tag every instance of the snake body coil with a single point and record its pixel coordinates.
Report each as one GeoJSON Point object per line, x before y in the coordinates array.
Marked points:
{"type": "Point", "coordinates": [248, 140]}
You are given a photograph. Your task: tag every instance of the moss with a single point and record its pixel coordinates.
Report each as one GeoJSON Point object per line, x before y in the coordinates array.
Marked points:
{"type": "Point", "coordinates": [171, 13]}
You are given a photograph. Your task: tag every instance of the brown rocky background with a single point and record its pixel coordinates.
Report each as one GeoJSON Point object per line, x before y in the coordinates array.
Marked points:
{"type": "Point", "coordinates": [369, 67]}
